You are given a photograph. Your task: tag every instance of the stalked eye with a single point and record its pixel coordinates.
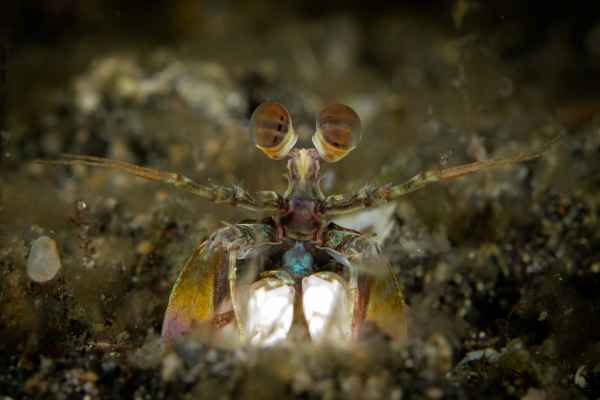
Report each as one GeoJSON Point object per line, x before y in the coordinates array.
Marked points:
{"type": "Point", "coordinates": [338, 132]}
{"type": "Point", "coordinates": [272, 130]}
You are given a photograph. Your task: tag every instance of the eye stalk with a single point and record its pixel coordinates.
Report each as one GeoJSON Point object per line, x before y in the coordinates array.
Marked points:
{"type": "Point", "coordinates": [338, 132]}
{"type": "Point", "coordinates": [272, 131]}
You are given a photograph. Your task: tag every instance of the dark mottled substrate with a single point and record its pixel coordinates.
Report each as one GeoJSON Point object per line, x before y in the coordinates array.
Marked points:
{"type": "Point", "coordinates": [536, 325]}
{"type": "Point", "coordinates": [501, 270]}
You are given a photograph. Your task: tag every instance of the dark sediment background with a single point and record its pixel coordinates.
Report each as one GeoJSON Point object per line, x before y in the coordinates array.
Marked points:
{"type": "Point", "coordinates": [501, 269]}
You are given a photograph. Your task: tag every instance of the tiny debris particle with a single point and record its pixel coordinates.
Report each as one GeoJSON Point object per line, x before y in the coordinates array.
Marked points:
{"type": "Point", "coordinates": [396, 394]}
{"type": "Point", "coordinates": [81, 205]}
{"type": "Point", "coordinates": [89, 376]}
{"type": "Point", "coordinates": [580, 377]}
{"type": "Point", "coordinates": [534, 394]}
{"type": "Point", "coordinates": [43, 262]}
{"type": "Point", "coordinates": [144, 247]}
{"type": "Point", "coordinates": [434, 393]}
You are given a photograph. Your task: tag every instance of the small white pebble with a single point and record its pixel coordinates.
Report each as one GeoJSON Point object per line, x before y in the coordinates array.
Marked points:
{"type": "Point", "coordinates": [396, 394]}
{"type": "Point", "coordinates": [534, 394]}
{"type": "Point", "coordinates": [434, 392]}
{"type": "Point", "coordinates": [170, 365]}
{"type": "Point", "coordinates": [43, 262]}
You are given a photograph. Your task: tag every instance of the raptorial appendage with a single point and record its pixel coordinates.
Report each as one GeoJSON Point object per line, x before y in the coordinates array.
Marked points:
{"type": "Point", "coordinates": [376, 289]}
{"type": "Point", "coordinates": [202, 296]}
{"type": "Point", "coordinates": [295, 296]}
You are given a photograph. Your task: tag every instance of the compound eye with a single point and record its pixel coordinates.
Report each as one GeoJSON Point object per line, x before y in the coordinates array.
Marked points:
{"type": "Point", "coordinates": [338, 132]}
{"type": "Point", "coordinates": [272, 131]}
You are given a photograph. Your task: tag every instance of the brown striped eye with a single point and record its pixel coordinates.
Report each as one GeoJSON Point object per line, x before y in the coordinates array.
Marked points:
{"type": "Point", "coordinates": [272, 131]}
{"type": "Point", "coordinates": [338, 132]}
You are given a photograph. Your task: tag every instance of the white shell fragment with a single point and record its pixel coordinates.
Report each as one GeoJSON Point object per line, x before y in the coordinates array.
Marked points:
{"type": "Point", "coordinates": [378, 220]}
{"type": "Point", "coordinates": [270, 312]}
{"type": "Point", "coordinates": [327, 308]}
{"type": "Point", "coordinates": [43, 262]}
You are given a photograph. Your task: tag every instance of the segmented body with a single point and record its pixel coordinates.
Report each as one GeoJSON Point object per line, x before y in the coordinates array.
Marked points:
{"type": "Point", "coordinates": [301, 219]}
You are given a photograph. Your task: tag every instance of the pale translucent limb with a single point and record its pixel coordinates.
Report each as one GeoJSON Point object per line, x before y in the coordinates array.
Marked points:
{"type": "Point", "coordinates": [233, 293]}
{"type": "Point", "coordinates": [373, 196]}
{"type": "Point", "coordinates": [232, 195]}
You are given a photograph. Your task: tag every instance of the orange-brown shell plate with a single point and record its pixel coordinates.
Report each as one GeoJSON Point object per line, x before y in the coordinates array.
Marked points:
{"type": "Point", "coordinates": [386, 306]}
{"type": "Point", "coordinates": [195, 293]}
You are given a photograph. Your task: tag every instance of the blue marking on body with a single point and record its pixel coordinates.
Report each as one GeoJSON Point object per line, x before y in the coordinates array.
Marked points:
{"type": "Point", "coordinates": [297, 260]}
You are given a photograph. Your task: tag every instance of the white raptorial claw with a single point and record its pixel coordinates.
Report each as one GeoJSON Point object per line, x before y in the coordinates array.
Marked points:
{"type": "Point", "coordinates": [327, 307]}
{"type": "Point", "coordinates": [270, 312]}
